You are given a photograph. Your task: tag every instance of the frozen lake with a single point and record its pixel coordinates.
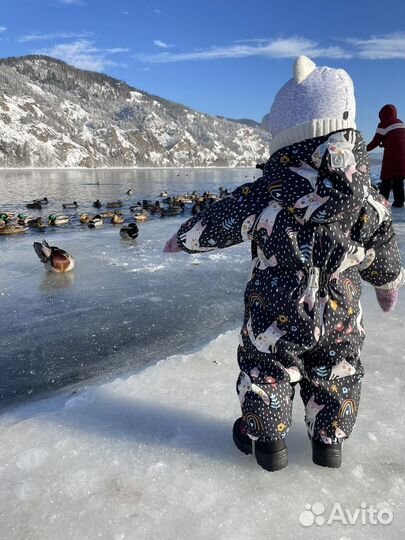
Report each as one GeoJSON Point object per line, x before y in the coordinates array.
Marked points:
{"type": "Point", "coordinates": [123, 304]}
{"type": "Point", "coordinates": [149, 453]}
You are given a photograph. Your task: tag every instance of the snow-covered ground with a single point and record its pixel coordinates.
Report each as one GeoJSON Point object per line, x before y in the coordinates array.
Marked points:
{"type": "Point", "coordinates": [150, 455]}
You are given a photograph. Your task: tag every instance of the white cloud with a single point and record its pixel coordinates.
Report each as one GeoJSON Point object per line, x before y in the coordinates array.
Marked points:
{"type": "Point", "coordinates": [83, 54]}
{"type": "Point", "coordinates": [158, 11]}
{"type": "Point", "coordinates": [2, 29]}
{"type": "Point", "coordinates": [161, 44]}
{"type": "Point", "coordinates": [55, 35]}
{"type": "Point", "coordinates": [388, 47]}
{"type": "Point", "coordinates": [279, 48]}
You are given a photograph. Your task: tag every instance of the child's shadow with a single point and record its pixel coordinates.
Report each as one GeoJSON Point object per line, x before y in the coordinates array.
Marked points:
{"type": "Point", "coordinates": [168, 427]}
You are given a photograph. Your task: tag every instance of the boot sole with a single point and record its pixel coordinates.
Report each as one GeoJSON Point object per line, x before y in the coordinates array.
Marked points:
{"type": "Point", "coordinates": [327, 457]}
{"type": "Point", "coordinates": [273, 461]}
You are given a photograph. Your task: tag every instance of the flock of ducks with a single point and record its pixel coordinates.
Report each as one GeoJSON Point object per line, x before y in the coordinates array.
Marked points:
{"type": "Point", "coordinates": [58, 260]}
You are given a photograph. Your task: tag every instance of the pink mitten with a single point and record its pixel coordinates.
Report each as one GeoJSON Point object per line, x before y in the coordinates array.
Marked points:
{"type": "Point", "coordinates": [172, 245]}
{"type": "Point", "coordinates": [387, 298]}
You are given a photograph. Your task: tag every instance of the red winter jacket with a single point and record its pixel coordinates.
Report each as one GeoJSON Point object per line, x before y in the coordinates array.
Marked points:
{"type": "Point", "coordinates": [390, 135]}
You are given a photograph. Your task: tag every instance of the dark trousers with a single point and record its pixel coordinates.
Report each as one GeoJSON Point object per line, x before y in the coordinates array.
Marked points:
{"type": "Point", "coordinates": [397, 186]}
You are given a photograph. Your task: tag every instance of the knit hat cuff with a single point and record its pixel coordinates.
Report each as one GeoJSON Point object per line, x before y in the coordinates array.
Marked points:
{"type": "Point", "coordinates": [308, 130]}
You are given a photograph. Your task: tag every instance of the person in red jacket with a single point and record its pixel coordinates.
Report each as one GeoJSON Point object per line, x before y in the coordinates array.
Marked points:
{"type": "Point", "coordinates": [390, 135]}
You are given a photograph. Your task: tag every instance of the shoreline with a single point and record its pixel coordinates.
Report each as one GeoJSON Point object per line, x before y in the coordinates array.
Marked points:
{"type": "Point", "coordinates": [115, 168]}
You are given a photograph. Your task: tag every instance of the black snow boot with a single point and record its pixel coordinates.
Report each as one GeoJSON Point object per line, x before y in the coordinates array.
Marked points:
{"type": "Point", "coordinates": [271, 456]}
{"type": "Point", "coordinates": [327, 455]}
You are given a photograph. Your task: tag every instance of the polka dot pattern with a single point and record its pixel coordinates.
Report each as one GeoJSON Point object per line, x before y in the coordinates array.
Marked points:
{"type": "Point", "coordinates": [317, 228]}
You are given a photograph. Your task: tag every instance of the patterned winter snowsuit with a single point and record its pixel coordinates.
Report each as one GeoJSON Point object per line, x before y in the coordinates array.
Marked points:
{"type": "Point", "coordinates": [317, 227]}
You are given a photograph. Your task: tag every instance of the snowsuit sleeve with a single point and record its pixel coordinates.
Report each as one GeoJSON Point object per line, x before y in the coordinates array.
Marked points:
{"type": "Point", "coordinates": [226, 222]}
{"type": "Point", "coordinates": [376, 141]}
{"type": "Point", "coordinates": [382, 263]}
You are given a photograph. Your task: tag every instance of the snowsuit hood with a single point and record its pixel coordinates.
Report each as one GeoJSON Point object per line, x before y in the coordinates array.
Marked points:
{"type": "Point", "coordinates": [388, 114]}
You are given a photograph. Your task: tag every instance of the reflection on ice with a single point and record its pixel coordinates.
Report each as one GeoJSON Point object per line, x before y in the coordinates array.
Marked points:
{"type": "Point", "coordinates": [52, 281]}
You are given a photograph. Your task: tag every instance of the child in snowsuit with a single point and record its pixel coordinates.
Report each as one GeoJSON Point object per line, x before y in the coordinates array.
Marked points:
{"type": "Point", "coordinates": [390, 135]}
{"type": "Point", "coordinates": [316, 228]}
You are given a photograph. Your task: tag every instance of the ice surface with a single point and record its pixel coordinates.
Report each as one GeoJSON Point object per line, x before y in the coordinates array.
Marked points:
{"type": "Point", "coordinates": [124, 303]}
{"type": "Point", "coordinates": [150, 455]}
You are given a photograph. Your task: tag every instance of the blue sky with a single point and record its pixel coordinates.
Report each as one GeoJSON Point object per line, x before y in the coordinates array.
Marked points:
{"type": "Point", "coordinates": [223, 57]}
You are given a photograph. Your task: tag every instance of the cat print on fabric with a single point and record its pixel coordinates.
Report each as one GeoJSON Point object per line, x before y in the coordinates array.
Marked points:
{"type": "Point", "coordinates": [191, 238]}
{"type": "Point", "coordinates": [311, 410]}
{"type": "Point", "coordinates": [312, 289]}
{"type": "Point", "coordinates": [359, 318]}
{"type": "Point", "coordinates": [262, 262]}
{"type": "Point", "coordinates": [247, 226]}
{"type": "Point", "coordinates": [317, 201]}
{"type": "Point", "coordinates": [368, 259]}
{"type": "Point", "coordinates": [323, 434]}
{"type": "Point", "coordinates": [294, 374]}
{"type": "Point", "coordinates": [381, 208]}
{"type": "Point", "coordinates": [342, 369]}
{"type": "Point", "coordinates": [268, 217]}
{"type": "Point", "coordinates": [340, 434]}
{"type": "Point", "coordinates": [245, 385]}
{"type": "Point", "coordinates": [354, 256]}
{"type": "Point", "coordinates": [266, 341]}
{"type": "Point", "coordinates": [307, 172]}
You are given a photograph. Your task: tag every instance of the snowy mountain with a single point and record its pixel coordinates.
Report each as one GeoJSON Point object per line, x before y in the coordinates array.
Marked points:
{"type": "Point", "coordinates": [55, 115]}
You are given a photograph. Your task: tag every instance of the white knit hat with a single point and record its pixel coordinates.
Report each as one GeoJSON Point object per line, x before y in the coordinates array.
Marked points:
{"type": "Point", "coordinates": [316, 101]}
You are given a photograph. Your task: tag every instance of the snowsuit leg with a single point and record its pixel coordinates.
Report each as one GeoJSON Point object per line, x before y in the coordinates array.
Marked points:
{"type": "Point", "coordinates": [265, 394]}
{"type": "Point", "coordinates": [331, 395]}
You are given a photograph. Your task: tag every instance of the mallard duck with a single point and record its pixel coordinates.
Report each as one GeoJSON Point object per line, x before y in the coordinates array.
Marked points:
{"type": "Point", "coordinates": [146, 204]}
{"type": "Point", "coordinates": [54, 258]}
{"type": "Point", "coordinates": [9, 228]}
{"type": "Point", "coordinates": [97, 221]}
{"type": "Point", "coordinates": [114, 204]}
{"type": "Point", "coordinates": [117, 218]}
{"type": "Point", "coordinates": [70, 205]}
{"type": "Point", "coordinates": [85, 218]}
{"type": "Point", "coordinates": [7, 216]}
{"type": "Point", "coordinates": [23, 219]}
{"type": "Point", "coordinates": [171, 211]}
{"type": "Point", "coordinates": [129, 232]}
{"type": "Point", "coordinates": [58, 220]}
{"type": "Point", "coordinates": [97, 204]}
{"type": "Point", "coordinates": [155, 207]}
{"type": "Point", "coordinates": [141, 217]}
{"type": "Point", "coordinates": [35, 205]}
{"type": "Point", "coordinates": [136, 208]}
{"type": "Point", "coordinates": [107, 214]}
{"type": "Point", "coordinates": [37, 223]}
{"type": "Point", "coordinates": [43, 201]}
